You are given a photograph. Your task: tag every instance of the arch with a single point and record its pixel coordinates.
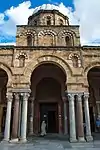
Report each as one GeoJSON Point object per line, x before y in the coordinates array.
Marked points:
{"type": "Point", "coordinates": [47, 59]}
{"type": "Point", "coordinates": [90, 66]}
{"type": "Point", "coordinates": [69, 34]}
{"type": "Point", "coordinates": [9, 73]}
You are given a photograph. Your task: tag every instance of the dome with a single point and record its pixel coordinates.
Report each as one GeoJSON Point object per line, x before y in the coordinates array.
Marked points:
{"type": "Point", "coordinates": [47, 7]}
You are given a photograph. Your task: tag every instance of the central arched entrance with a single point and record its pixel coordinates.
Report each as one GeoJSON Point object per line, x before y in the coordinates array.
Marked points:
{"type": "Point", "coordinates": [48, 88]}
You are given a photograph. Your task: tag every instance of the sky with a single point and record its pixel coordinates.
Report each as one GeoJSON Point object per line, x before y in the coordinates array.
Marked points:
{"type": "Point", "coordinates": [85, 13]}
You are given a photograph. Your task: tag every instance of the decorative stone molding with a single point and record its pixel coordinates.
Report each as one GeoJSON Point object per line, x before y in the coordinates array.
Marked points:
{"type": "Point", "coordinates": [22, 54]}
{"type": "Point", "coordinates": [47, 32]}
{"type": "Point", "coordinates": [47, 59]}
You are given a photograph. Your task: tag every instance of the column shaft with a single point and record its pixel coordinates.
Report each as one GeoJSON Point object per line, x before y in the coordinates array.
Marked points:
{"type": "Point", "coordinates": [65, 116]}
{"type": "Point", "coordinates": [72, 118]}
{"type": "Point", "coordinates": [8, 117]}
{"type": "Point", "coordinates": [60, 118]}
{"type": "Point", "coordinates": [31, 115]}
{"type": "Point", "coordinates": [24, 117]}
{"type": "Point", "coordinates": [87, 118]}
{"type": "Point", "coordinates": [80, 118]}
{"type": "Point", "coordinates": [15, 117]}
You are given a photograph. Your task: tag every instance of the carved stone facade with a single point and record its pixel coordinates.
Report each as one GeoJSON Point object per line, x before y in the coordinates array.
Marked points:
{"type": "Point", "coordinates": [46, 72]}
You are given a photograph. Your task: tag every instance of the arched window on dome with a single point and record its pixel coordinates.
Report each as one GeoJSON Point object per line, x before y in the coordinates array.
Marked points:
{"type": "Point", "coordinates": [48, 20]}
{"type": "Point", "coordinates": [75, 61]}
{"type": "Point", "coordinates": [21, 61]}
{"type": "Point", "coordinates": [29, 40]}
{"type": "Point", "coordinates": [68, 41]}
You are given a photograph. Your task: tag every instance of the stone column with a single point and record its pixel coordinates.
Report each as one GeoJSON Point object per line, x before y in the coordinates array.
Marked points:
{"type": "Point", "coordinates": [24, 117]}
{"type": "Point", "coordinates": [60, 118]}
{"type": "Point", "coordinates": [31, 115]}
{"type": "Point", "coordinates": [87, 117]}
{"type": "Point", "coordinates": [65, 116]}
{"type": "Point", "coordinates": [79, 110]}
{"type": "Point", "coordinates": [8, 117]}
{"type": "Point", "coordinates": [72, 118]}
{"type": "Point", "coordinates": [15, 116]}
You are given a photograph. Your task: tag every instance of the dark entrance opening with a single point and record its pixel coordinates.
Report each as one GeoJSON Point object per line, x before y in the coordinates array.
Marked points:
{"type": "Point", "coordinates": [51, 121]}
{"type": "Point", "coordinates": [48, 112]}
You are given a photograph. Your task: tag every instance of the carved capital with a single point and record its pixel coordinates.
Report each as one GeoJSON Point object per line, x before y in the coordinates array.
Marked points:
{"type": "Point", "coordinates": [86, 96]}
{"type": "Point", "coordinates": [31, 99]}
{"type": "Point", "coordinates": [64, 99]}
{"type": "Point", "coordinates": [71, 96]}
{"type": "Point", "coordinates": [79, 97]}
{"type": "Point", "coordinates": [9, 96]}
{"type": "Point", "coordinates": [16, 96]}
{"type": "Point", "coordinates": [25, 96]}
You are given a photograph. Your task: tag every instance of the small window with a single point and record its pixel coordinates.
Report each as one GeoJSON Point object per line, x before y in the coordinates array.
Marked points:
{"type": "Point", "coordinates": [75, 61]}
{"type": "Point", "coordinates": [21, 61]}
{"type": "Point", "coordinates": [48, 20]}
{"type": "Point", "coordinates": [68, 41]}
{"type": "Point", "coordinates": [29, 40]}
{"type": "Point", "coordinates": [61, 22]}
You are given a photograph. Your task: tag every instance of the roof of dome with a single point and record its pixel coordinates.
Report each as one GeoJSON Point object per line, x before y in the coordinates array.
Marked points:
{"type": "Point", "coordinates": [47, 7]}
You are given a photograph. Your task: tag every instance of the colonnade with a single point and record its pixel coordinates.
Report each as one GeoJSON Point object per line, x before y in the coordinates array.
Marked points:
{"type": "Point", "coordinates": [19, 124]}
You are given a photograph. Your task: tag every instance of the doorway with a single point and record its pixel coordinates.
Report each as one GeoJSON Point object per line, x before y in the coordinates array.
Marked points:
{"type": "Point", "coordinates": [49, 112]}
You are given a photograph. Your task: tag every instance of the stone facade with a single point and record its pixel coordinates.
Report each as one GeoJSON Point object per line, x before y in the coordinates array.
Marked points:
{"type": "Point", "coordinates": [44, 42]}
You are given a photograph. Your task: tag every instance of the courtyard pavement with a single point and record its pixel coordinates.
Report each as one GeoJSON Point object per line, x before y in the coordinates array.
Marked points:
{"type": "Point", "coordinates": [47, 144]}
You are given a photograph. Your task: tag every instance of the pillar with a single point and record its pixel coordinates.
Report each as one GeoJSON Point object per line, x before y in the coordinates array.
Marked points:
{"type": "Point", "coordinates": [60, 118]}
{"type": "Point", "coordinates": [87, 118]}
{"type": "Point", "coordinates": [31, 115]}
{"type": "Point", "coordinates": [72, 118]}
{"type": "Point", "coordinates": [24, 117]}
{"type": "Point", "coordinates": [1, 117]}
{"type": "Point", "coordinates": [65, 116]}
{"type": "Point", "coordinates": [79, 110]}
{"type": "Point", "coordinates": [8, 117]}
{"type": "Point", "coordinates": [15, 116]}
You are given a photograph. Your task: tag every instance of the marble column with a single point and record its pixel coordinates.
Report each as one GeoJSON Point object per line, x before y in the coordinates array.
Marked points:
{"type": "Point", "coordinates": [60, 118]}
{"type": "Point", "coordinates": [87, 118]}
{"type": "Point", "coordinates": [15, 116]}
{"type": "Point", "coordinates": [72, 118]}
{"type": "Point", "coordinates": [79, 111]}
{"type": "Point", "coordinates": [24, 117]}
{"type": "Point", "coordinates": [31, 115]}
{"type": "Point", "coordinates": [65, 115]}
{"type": "Point", "coordinates": [8, 117]}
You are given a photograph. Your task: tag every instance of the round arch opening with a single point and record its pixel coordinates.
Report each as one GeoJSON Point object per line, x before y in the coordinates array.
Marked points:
{"type": "Point", "coordinates": [48, 85]}
{"type": "Point", "coordinates": [3, 90]}
{"type": "Point", "coordinates": [93, 77]}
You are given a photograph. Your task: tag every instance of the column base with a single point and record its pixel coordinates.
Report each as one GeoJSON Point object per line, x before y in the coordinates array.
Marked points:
{"type": "Point", "coordinates": [5, 140]}
{"type": "Point", "coordinates": [23, 140]}
{"type": "Point", "coordinates": [14, 140]}
{"type": "Point", "coordinates": [81, 139]}
{"type": "Point", "coordinates": [73, 140]}
{"type": "Point", "coordinates": [89, 138]}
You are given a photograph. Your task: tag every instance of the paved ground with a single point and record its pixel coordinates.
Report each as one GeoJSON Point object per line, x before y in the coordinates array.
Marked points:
{"type": "Point", "coordinates": [43, 144]}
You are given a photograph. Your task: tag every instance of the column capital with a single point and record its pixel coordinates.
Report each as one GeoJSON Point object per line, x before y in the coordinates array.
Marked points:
{"type": "Point", "coordinates": [9, 96]}
{"type": "Point", "coordinates": [71, 96]}
{"type": "Point", "coordinates": [64, 98]}
{"type": "Point", "coordinates": [31, 99]}
{"type": "Point", "coordinates": [86, 96]}
{"type": "Point", "coordinates": [16, 96]}
{"type": "Point", "coordinates": [25, 96]}
{"type": "Point", "coordinates": [79, 96]}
